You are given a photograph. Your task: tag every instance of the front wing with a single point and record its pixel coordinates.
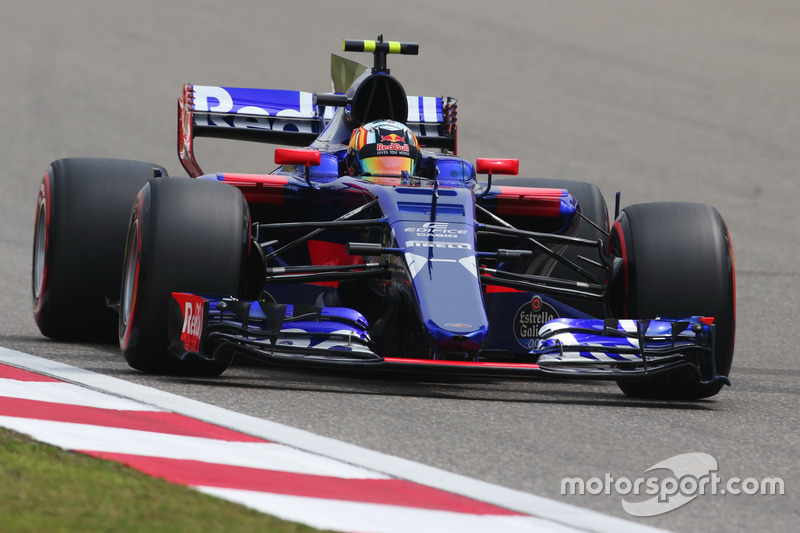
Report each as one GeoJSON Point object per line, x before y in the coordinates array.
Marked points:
{"type": "Point", "coordinates": [611, 349]}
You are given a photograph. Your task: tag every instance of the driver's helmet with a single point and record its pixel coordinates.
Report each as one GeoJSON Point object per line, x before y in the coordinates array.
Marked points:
{"type": "Point", "coordinates": [382, 148]}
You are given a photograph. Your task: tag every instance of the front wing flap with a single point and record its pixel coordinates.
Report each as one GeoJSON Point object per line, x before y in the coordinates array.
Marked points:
{"type": "Point", "coordinates": [608, 349]}
{"type": "Point", "coordinates": [622, 349]}
{"type": "Point", "coordinates": [200, 327]}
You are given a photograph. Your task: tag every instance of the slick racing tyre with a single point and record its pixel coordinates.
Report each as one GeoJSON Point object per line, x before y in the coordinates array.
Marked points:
{"type": "Point", "coordinates": [185, 235]}
{"type": "Point", "coordinates": [82, 214]}
{"type": "Point", "coordinates": [678, 261]}
{"type": "Point", "coordinates": [593, 207]}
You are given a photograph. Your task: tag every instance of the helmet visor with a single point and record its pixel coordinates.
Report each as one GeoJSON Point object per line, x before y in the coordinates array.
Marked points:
{"type": "Point", "coordinates": [387, 165]}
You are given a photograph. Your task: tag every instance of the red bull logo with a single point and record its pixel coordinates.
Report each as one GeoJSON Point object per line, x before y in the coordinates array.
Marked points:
{"type": "Point", "coordinates": [393, 138]}
{"type": "Point", "coordinates": [393, 147]}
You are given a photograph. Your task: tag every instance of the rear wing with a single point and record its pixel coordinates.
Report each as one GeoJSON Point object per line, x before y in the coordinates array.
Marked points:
{"type": "Point", "coordinates": [290, 118]}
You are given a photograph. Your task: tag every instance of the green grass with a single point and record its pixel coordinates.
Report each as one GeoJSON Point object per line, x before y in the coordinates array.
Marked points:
{"type": "Point", "coordinates": [44, 488]}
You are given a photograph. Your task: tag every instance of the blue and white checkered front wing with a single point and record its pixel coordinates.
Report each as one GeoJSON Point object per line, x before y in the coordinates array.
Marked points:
{"type": "Point", "coordinates": [625, 347]}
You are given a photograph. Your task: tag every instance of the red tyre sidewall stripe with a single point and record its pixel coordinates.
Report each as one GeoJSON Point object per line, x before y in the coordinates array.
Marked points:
{"type": "Point", "coordinates": [617, 228]}
{"type": "Point", "coordinates": [44, 195]}
{"type": "Point", "coordinates": [733, 277]}
{"type": "Point", "coordinates": [131, 316]}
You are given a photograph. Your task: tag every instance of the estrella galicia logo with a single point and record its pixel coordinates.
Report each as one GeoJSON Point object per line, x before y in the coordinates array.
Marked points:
{"type": "Point", "coordinates": [529, 318]}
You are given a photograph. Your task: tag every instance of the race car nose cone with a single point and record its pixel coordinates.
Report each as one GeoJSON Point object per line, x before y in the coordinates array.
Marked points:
{"type": "Point", "coordinates": [457, 336]}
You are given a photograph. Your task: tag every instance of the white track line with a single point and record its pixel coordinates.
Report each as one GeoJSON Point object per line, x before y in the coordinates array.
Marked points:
{"type": "Point", "coordinates": [68, 394]}
{"type": "Point", "coordinates": [377, 518]}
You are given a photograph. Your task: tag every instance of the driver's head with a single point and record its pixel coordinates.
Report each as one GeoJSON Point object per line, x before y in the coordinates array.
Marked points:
{"type": "Point", "coordinates": [382, 148]}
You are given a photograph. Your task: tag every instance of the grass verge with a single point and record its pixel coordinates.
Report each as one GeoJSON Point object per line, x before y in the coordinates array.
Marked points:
{"type": "Point", "coordinates": [44, 488]}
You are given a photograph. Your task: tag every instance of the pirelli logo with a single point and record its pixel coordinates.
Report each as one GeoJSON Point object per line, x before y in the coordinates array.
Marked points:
{"type": "Point", "coordinates": [439, 244]}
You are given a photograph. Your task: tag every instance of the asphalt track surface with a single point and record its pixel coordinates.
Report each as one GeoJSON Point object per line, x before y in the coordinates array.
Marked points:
{"type": "Point", "coordinates": [680, 100]}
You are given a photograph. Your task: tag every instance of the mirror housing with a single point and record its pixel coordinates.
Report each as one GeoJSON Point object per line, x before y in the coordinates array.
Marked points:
{"type": "Point", "coordinates": [297, 156]}
{"type": "Point", "coordinates": [508, 167]}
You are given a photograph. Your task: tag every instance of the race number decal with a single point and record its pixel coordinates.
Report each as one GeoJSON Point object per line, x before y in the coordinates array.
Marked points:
{"type": "Point", "coordinates": [529, 318]}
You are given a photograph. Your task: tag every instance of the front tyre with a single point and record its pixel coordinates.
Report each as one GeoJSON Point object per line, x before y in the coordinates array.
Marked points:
{"type": "Point", "coordinates": [678, 261]}
{"type": "Point", "coordinates": [185, 235]}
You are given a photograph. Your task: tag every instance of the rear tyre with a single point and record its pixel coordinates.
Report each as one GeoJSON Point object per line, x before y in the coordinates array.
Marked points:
{"type": "Point", "coordinates": [589, 197]}
{"type": "Point", "coordinates": [592, 206]}
{"type": "Point", "coordinates": [678, 262]}
{"type": "Point", "coordinates": [185, 235]}
{"type": "Point", "coordinates": [82, 216]}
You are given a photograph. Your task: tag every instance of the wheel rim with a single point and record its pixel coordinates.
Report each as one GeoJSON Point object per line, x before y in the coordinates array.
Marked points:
{"type": "Point", "coordinates": [130, 273]}
{"type": "Point", "coordinates": [39, 250]}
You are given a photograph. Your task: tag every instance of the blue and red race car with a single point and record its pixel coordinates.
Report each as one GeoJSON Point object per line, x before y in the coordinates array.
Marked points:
{"type": "Point", "coordinates": [373, 245]}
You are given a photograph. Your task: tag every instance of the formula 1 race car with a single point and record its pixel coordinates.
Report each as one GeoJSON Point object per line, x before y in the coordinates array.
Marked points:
{"type": "Point", "coordinates": [373, 245]}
